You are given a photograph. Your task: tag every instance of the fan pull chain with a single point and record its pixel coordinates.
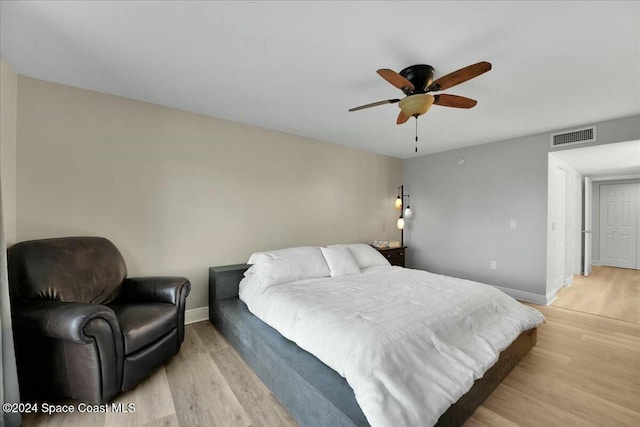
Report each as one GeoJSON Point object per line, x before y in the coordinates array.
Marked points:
{"type": "Point", "coordinates": [416, 134]}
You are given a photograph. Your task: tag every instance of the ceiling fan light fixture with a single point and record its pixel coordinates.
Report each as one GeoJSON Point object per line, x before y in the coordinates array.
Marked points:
{"type": "Point", "coordinates": [416, 105]}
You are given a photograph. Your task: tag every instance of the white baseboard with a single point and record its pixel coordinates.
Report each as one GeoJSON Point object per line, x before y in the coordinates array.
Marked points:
{"type": "Point", "coordinates": [528, 296]}
{"type": "Point", "coordinates": [551, 296]}
{"type": "Point", "coordinates": [196, 315]}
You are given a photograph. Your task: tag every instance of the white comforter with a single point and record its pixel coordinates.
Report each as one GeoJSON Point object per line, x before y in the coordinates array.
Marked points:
{"type": "Point", "coordinates": [409, 343]}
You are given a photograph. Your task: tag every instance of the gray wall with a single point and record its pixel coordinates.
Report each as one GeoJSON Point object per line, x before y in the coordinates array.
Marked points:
{"type": "Point", "coordinates": [462, 213]}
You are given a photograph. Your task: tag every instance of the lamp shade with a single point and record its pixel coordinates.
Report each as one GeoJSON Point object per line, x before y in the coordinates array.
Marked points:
{"type": "Point", "coordinates": [398, 203]}
{"type": "Point", "coordinates": [416, 104]}
{"type": "Point", "coordinates": [407, 212]}
{"type": "Point", "coordinates": [400, 223]}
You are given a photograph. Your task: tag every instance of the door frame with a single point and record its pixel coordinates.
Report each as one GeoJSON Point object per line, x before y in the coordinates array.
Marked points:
{"type": "Point", "coordinates": [570, 261]}
{"type": "Point", "coordinates": [587, 228]}
{"type": "Point", "coordinates": [559, 226]}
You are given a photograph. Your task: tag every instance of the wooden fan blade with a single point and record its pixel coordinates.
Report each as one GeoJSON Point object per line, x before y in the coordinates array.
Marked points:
{"type": "Point", "coordinates": [454, 101]}
{"type": "Point", "coordinates": [395, 79]}
{"type": "Point", "coordinates": [374, 104]}
{"type": "Point", "coordinates": [402, 118]}
{"type": "Point", "coordinates": [460, 76]}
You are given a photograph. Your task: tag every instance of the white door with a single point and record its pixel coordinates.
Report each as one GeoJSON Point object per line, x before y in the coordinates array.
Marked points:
{"type": "Point", "coordinates": [618, 225]}
{"type": "Point", "coordinates": [560, 225]}
{"type": "Point", "coordinates": [588, 227]}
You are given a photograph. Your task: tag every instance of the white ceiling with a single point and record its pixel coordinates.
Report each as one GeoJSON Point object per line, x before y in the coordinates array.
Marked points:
{"type": "Point", "coordinates": [611, 160]}
{"type": "Point", "coordinates": [297, 67]}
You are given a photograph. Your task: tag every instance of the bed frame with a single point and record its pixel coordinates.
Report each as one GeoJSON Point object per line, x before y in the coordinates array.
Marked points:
{"type": "Point", "coordinates": [314, 394]}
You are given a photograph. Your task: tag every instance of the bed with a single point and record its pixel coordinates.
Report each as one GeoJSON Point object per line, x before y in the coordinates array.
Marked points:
{"type": "Point", "coordinates": [314, 393]}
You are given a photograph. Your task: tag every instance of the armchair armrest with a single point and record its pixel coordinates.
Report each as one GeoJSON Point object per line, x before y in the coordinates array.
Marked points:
{"type": "Point", "coordinates": [68, 349]}
{"type": "Point", "coordinates": [170, 290]}
{"type": "Point", "coordinates": [67, 321]}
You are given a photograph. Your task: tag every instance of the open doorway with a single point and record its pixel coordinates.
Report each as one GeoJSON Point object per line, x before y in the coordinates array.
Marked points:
{"type": "Point", "coordinates": [597, 198]}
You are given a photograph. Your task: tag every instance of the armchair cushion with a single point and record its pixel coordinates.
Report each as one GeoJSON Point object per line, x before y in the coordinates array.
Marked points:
{"type": "Point", "coordinates": [171, 290]}
{"type": "Point", "coordinates": [142, 324]}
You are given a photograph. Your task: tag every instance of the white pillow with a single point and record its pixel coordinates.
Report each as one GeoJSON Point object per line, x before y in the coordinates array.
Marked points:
{"type": "Point", "coordinates": [248, 287]}
{"type": "Point", "coordinates": [288, 265]}
{"type": "Point", "coordinates": [340, 261]}
{"type": "Point", "coordinates": [365, 255]}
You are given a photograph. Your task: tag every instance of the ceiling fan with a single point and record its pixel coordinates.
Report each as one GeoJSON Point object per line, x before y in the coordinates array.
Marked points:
{"type": "Point", "coordinates": [416, 82]}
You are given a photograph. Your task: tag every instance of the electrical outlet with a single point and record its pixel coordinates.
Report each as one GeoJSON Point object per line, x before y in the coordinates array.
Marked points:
{"type": "Point", "coordinates": [493, 265]}
{"type": "Point", "coordinates": [513, 224]}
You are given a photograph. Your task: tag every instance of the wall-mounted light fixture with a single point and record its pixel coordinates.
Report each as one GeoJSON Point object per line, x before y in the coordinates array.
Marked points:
{"type": "Point", "coordinates": [406, 214]}
{"type": "Point", "coordinates": [407, 211]}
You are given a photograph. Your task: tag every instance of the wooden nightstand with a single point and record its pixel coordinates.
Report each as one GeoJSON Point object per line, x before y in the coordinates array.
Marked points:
{"type": "Point", "coordinates": [394, 255]}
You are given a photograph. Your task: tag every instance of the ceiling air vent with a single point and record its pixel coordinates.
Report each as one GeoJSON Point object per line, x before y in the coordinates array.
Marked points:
{"type": "Point", "coordinates": [576, 136]}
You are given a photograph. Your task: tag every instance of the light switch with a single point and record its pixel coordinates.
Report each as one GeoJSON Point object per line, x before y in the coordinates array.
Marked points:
{"type": "Point", "coordinates": [513, 224]}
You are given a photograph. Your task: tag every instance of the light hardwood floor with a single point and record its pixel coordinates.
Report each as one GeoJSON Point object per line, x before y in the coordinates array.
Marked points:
{"type": "Point", "coordinates": [607, 291]}
{"type": "Point", "coordinates": [585, 370]}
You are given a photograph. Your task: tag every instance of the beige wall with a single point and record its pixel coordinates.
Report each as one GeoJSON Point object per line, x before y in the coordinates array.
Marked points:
{"type": "Point", "coordinates": [8, 123]}
{"type": "Point", "coordinates": [179, 192]}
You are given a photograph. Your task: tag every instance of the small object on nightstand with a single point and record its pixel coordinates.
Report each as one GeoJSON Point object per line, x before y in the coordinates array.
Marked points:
{"type": "Point", "coordinates": [380, 244]}
{"type": "Point", "coordinates": [395, 256]}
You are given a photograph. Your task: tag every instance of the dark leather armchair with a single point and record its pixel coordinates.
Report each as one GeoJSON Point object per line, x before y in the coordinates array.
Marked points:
{"type": "Point", "coordinates": [83, 329]}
